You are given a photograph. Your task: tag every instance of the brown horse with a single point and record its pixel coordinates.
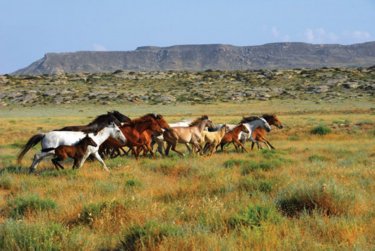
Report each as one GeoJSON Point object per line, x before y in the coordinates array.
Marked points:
{"type": "Point", "coordinates": [233, 137]}
{"type": "Point", "coordinates": [75, 152]}
{"type": "Point", "coordinates": [191, 134]}
{"type": "Point", "coordinates": [259, 134]}
{"type": "Point", "coordinates": [134, 131]}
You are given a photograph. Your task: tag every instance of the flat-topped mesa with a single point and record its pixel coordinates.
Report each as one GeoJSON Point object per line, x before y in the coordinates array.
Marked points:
{"type": "Point", "coordinates": [201, 57]}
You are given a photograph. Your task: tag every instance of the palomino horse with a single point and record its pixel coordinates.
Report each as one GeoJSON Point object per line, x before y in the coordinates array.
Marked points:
{"type": "Point", "coordinates": [53, 139]}
{"type": "Point", "coordinates": [186, 135]}
{"type": "Point", "coordinates": [259, 134]}
{"type": "Point", "coordinates": [135, 132]}
{"type": "Point", "coordinates": [99, 122]}
{"type": "Point", "coordinates": [213, 139]}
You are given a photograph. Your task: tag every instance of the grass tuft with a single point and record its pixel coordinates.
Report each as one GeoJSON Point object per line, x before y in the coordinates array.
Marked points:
{"type": "Point", "coordinates": [30, 203]}
{"type": "Point", "coordinates": [148, 236]}
{"type": "Point", "coordinates": [254, 216]}
{"type": "Point", "coordinates": [327, 199]}
{"type": "Point", "coordinates": [321, 130]}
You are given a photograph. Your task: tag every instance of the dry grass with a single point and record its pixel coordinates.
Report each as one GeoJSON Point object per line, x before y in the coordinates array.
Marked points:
{"type": "Point", "coordinates": [313, 192]}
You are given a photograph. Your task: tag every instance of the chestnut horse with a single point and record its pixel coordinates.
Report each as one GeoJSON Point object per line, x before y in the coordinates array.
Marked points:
{"type": "Point", "coordinates": [259, 134]}
{"type": "Point", "coordinates": [134, 132]}
{"type": "Point", "coordinates": [191, 134]}
{"type": "Point", "coordinates": [233, 137]}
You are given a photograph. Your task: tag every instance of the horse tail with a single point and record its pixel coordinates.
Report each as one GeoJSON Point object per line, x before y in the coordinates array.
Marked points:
{"type": "Point", "coordinates": [32, 142]}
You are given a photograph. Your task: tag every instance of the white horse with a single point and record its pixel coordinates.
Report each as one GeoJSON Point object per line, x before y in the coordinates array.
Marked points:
{"type": "Point", "coordinates": [53, 139]}
{"type": "Point", "coordinates": [251, 124]}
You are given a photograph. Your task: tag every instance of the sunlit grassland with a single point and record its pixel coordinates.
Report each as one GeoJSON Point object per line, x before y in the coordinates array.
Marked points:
{"type": "Point", "coordinates": [313, 192]}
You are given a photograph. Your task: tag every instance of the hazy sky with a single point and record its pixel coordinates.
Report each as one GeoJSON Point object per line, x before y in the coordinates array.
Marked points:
{"type": "Point", "coordinates": [30, 28]}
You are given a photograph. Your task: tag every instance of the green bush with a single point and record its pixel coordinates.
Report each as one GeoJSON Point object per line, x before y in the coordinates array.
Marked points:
{"type": "Point", "coordinates": [17, 235]}
{"type": "Point", "coordinates": [30, 203]}
{"type": "Point", "coordinates": [254, 216]}
{"type": "Point", "coordinates": [321, 130]}
{"type": "Point", "coordinates": [132, 183]}
{"type": "Point", "coordinates": [148, 236]}
{"type": "Point", "coordinates": [328, 199]}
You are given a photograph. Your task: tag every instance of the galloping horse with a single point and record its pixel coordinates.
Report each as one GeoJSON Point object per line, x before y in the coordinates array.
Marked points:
{"type": "Point", "coordinates": [75, 152]}
{"type": "Point", "coordinates": [135, 131]}
{"type": "Point", "coordinates": [233, 137]}
{"type": "Point", "coordinates": [99, 122]}
{"type": "Point", "coordinates": [53, 139]}
{"type": "Point", "coordinates": [251, 124]}
{"type": "Point", "coordinates": [213, 139]}
{"type": "Point", "coordinates": [185, 135]}
{"type": "Point", "coordinates": [259, 133]}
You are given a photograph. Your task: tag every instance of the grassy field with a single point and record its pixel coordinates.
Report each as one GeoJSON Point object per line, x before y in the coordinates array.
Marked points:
{"type": "Point", "coordinates": [314, 192]}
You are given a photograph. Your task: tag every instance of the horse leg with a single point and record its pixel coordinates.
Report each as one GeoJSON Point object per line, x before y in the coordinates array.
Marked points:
{"type": "Point", "coordinates": [252, 145]}
{"type": "Point", "coordinates": [175, 150]}
{"type": "Point", "coordinates": [268, 144]}
{"type": "Point", "coordinates": [188, 147]}
{"type": "Point", "coordinates": [38, 158]}
{"type": "Point", "coordinates": [97, 156]}
{"type": "Point", "coordinates": [240, 144]}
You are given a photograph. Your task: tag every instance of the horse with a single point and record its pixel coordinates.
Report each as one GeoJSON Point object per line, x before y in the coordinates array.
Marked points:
{"type": "Point", "coordinates": [75, 152]}
{"type": "Point", "coordinates": [259, 134]}
{"type": "Point", "coordinates": [233, 137]}
{"type": "Point", "coordinates": [53, 139]}
{"type": "Point", "coordinates": [251, 123]}
{"type": "Point", "coordinates": [185, 135]}
{"type": "Point", "coordinates": [213, 139]}
{"type": "Point", "coordinates": [135, 133]}
{"type": "Point", "coordinates": [99, 122]}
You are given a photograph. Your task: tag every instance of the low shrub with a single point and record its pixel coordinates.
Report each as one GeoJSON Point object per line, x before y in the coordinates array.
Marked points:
{"type": "Point", "coordinates": [254, 216]}
{"type": "Point", "coordinates": [18, 235]}
{"type": "Point", "coordinates": [321, 130]}
{"type": "Point", "coordinates": [328, 199]}
{"type": "Point", "coordinates": [30, 203]}
{"type": "Point", "coordinates": [132, 183]}
{"type": "Point", "coordinates": [148, 236]}
{"type": "Point", "coordinates": [317, 158]}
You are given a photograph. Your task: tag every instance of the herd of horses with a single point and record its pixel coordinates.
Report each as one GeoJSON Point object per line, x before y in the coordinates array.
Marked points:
{"type": "Point", "coordinates": [109, 134]}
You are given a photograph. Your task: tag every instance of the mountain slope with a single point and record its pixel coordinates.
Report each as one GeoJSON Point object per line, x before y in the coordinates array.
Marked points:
{"type": "Point", "coordinates": [202, 57]}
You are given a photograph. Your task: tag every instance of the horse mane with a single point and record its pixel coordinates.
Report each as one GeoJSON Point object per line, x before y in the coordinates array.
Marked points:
{"type": "Point", "coordinates": [121, 117]}
{"type": "Point", "coordinates": [249, 119]}
{"type": "Point", "coordinates": [267, 115]}
{"type": "Point", "coordinates": [198, 120]}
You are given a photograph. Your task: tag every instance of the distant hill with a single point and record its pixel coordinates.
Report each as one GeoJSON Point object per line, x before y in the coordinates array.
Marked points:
{"type": "Point", "coordinates": [210, 56]}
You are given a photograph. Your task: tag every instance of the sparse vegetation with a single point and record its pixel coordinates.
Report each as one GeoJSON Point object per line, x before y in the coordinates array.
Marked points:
{"type": "Point", "coordinates": [321, 130]}
{"type": "Point", "coordinates": [310, 193]}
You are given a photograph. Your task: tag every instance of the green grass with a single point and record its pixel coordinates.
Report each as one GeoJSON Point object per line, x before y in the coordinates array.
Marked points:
{"type": "Point", "coordinates": [19, 206]}
{"type": "Point", "coordinates": [321, 130]}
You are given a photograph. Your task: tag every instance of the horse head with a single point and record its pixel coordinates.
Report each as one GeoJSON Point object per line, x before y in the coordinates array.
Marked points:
{"type": "Point", "coordinates": [265, 124]}
{"type": "Point", "coordinates": [116, 133]}
{"type": "Point", "coordinates": [273, 120]}
{"type": "Point", "coordinates": [89, 141]}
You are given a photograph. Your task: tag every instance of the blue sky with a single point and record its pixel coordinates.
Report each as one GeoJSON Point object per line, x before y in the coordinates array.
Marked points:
{"type": "Point", "coordinates": [30, 28]}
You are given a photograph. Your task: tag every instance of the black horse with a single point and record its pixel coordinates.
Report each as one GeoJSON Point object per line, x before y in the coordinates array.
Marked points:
{"type": "Point", "coordinates": [99, 122]}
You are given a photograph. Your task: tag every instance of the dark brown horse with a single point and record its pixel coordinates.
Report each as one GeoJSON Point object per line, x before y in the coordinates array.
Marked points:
{"type": "Point", "coordinates": [99, 123]}
{"type": "Point", "coordinates": [75, 152]}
